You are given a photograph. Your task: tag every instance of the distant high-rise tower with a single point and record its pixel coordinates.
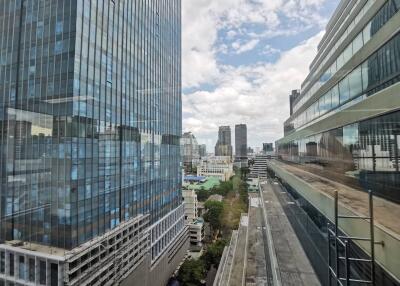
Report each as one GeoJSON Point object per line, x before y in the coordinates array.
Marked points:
{"type": "Point", "coordinates": [203, 150]}
{"type": "Point", "coordinates": [268, 147]}
{"type": "Point", "coordinates": [90, 122]}
{"type": "Point", "coordinates": [189, 151]}
{"type": "Point", "coordinates": [224, 143]}
{"type": "Point", "coordinates": [241, 142]}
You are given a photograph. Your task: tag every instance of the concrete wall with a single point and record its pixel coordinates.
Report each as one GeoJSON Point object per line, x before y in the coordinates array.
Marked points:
{"type": "Point", "coordinates": [163, 268]}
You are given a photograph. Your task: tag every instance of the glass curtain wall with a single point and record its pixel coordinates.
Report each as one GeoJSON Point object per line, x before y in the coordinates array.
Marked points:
{"type": "Point", "coordinates": [90, 108]}
{"type": "Point", "coordinates": [364, 155]}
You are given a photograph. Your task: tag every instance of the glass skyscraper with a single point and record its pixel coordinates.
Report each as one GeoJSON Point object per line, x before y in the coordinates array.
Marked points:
{"type": "Point", "coordinates": [224, 143]}
{"type": "Point", "coordinates": [241, 141]}
{"type": "Point", "coordinates": [90, 118]}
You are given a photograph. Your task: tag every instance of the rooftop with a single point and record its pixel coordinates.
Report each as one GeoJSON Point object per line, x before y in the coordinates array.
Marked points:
{"type": "Point", "coordinates": [207, 185]}
{"type": "Point", "coordinates": [195, 178]}
{"type": "Point", "coordinates": [217, 198]}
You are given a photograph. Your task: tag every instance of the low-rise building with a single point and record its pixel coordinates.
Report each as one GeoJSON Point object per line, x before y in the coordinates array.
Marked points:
{"type": "Point", "coordinates": [190, 202]}
{"type": "Point", "coordinates": [196, 224]}
{"type": "Point", "coordinates": [220, 167]}
{"type": "Point", "coordinates": [196, 233]}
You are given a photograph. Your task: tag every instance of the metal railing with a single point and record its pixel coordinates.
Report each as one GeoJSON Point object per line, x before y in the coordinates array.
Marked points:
{"type": "Point", "coordinates": [341, 244]}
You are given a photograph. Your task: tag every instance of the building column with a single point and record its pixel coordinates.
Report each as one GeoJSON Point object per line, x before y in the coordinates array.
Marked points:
{"type": "Point", "coordinates": [37, 271]}
{"type": "Point", "coordinates": [7, 263]}
{"type": "Point", "coordinates": [60, 274]}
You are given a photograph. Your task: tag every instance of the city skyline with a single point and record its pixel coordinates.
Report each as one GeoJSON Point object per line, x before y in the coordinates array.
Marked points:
{"type": "Point", "coordinates": [126, 135]}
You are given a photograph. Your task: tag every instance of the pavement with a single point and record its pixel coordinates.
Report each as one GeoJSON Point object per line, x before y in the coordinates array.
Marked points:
{"type": "Point", "coordinates": [265, 248]}
{"type": "Point", "coordinates": [293, 266]}
{"type": "Point", "coordinates": [240, 258]}
{"type": "Point", "coordinates": [258, 271]}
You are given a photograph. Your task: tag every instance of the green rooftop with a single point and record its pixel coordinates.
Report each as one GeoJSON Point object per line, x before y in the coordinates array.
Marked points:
{"type": "Point", "coordinates": [210, 183]}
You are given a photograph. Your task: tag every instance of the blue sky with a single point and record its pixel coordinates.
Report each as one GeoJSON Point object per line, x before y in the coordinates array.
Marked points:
{"type": "Point", "coordinates": [242, 58]}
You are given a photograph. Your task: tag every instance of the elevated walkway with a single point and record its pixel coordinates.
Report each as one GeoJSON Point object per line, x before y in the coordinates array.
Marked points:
{"type": "Point", "coordinates": [231, 270]}
{"type": "Point", "coordinates": [320, 191]}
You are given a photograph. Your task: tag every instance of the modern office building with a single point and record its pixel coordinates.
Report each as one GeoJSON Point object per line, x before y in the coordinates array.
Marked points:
{"type": "Point", "coordinates": [203, 150]}
{"type": "Point", "coordinates": [90, 122]}
{"type": "Point", "coordinates": [190, 151]}
{"type": "Point", "coordinates": [344, 138]}
{"type": "Point", "coordinates": [241, 142]}
{"type": "Point", "coordinates": [224, 143]}
{"type": "Point", "coordinates": [268, 148]}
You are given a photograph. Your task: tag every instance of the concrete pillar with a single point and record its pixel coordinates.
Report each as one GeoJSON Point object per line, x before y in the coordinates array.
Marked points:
{"type": "Point", "coordinates": [60, 274]}
{"type": "Point", "coordinates": [37, 271]}
{"type": "Point", "coordinates": [16, 264]}
{"type": "Point", "coordinates": [26, 270]}
{"type": "Point", "coordinates": [7, 263]}
{"type": "Point", "coordinates": [48, 273]}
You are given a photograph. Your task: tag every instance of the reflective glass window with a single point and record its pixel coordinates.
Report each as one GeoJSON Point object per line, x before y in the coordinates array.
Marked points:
{"type": "Point", "coordinates": [348, 53]}
{"type": "Point", "coordinates": [357, 43]}
{"type": "Point", "coordinates": [344, 90]}
{"type": "Point", "coordinates": [355, 82]}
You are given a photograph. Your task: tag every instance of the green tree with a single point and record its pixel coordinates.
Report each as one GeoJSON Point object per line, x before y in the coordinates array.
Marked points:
{"type": "Point", "coordinates": [202, 195]}
{"type": "Point", "coordinates": [244, 172]}
{"type": "Point", "coordinates": [192, 272]}
{"type": "Point", "coordinates": [213, 254]}
{"type": "Point", "coordinates": [214, 213]}
{"type": "Point", "coordinates": [224, 188]}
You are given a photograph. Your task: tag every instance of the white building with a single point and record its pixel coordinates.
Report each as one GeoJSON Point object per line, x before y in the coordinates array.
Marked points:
{"type": "Point", "coordinates": [190, 203]}
{"type": "Point", "coordinates": [220, 167]}
{"type": "Point", "coordinates": [196, 224]}
{"type": "Point", "coordinates": [196, 232]}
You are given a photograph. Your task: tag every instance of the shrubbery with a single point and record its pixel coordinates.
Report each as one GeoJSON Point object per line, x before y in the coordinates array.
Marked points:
{"type": "Point", "coordinates": [193, 272]}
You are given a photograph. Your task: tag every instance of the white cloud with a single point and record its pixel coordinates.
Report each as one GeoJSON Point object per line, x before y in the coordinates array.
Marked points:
{"type": "Point", "coordinates": [202, 19]}
{"type": "Point", "coordinates": [269, 50]}
{"type": "Point", "coordinates": [242, 48]}
{"type": "Point", "coordinates": [254, 93]}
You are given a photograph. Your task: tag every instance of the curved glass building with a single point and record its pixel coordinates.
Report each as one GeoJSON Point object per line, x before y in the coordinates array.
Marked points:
{"type": "Point", "coordinates": [343, 135]}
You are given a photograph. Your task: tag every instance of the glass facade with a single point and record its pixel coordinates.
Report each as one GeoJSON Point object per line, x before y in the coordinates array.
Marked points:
{"type": "Point", "coordinates": [385, 13]}
{"type": "Point", "coordinates": [382, 69]}
{"type": "Point", "coordinates": [90, 116]}
{"type": "Point", "coordinates": [331, 145]}
{"type": "Point", "coordinates": [364, 155]}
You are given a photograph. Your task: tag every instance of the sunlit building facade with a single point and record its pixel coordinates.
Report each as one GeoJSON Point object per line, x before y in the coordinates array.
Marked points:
{"type": "Point", "coordinates": [224, 143]}
{"type": "Point", "coordinates": [90, 122]}
{"type": "Point", "coordinates": [190, 151]}
{"type": "Point", "coordinates": [344, 126]}
{"type": "Point", "coordinates": [241, 141]}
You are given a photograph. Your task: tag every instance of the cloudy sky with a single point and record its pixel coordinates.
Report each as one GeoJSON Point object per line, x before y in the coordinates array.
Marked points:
{"type": "Point", "coordinates": [242, 58]}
